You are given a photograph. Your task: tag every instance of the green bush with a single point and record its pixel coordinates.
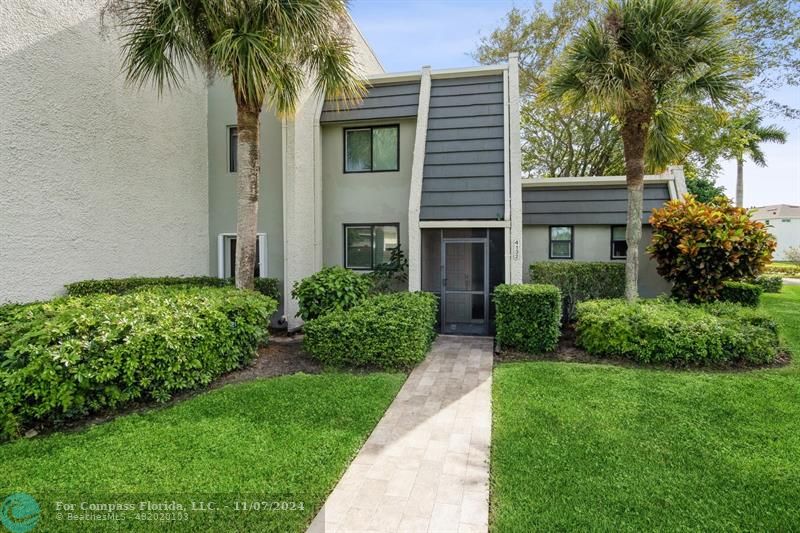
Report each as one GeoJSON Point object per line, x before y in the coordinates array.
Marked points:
{"type": "Point", "coordinates": [769, 283]}
{"type": "Point", "coordinates": [741, 293]}
{"type": "Point", "coordinates": [789, 270]}
{"type": "Point", "coordinates": [388, 331]}
{"type": "Point", "coordinates": [72, 356]}
{"type": "Point", "coordinates": [528, 317]}
{"type": "Point", "coordinates": [663, 331]}
{"type": "Point", "coordinates": [330, 289]}
{"type": "Point", "coordinates": [266, 286]}
{"type": "Point", "coordinates": [580, 281]}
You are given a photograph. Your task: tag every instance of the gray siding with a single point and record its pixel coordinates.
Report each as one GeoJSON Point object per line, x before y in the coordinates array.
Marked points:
{"type": "Point", "coordinates": [463, 176]}
{"type": "Point", "coordinates": [586, 205]}
{"type": "Point", "coordinates": [394, 100]}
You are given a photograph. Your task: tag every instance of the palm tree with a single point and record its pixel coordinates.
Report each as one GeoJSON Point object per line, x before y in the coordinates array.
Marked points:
{"type": "Point", "coordinates": [743, 136]}
{"type": "Point", "coordinates": [269, 48]}
{"type": "Point", "coordinates": [644, 62]}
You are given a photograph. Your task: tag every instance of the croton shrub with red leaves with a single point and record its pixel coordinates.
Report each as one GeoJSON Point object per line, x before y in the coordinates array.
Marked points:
{"type": "Point", "coordinates": [700, 245]}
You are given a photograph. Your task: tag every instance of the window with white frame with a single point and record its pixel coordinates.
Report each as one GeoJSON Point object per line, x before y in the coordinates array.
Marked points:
{"type": "Point", "coordinates": [619, 246]}
{"type": "Point", "coordinates": [561, 241]}
{"type": "Point", "coordinates": [233, 148]}
{"type": "Point", "coordinates": [369, 245]}
{"type": "Point", "coordinates": [226, 255]}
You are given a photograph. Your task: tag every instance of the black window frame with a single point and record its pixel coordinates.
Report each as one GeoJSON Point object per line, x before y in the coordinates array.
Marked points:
{"type": "Point", "coordinates": [571, 241]}
{"type": "Point", "coordinates": [233, 162]}
{"type": "Point", "coordinates": [371, 137]}
{"type": "Point", "coordinates": [372, 226]}
{"type": "Point", "coordinates": [613, 240]}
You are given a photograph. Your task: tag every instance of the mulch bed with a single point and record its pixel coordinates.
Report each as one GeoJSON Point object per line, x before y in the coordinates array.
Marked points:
{"type": "Point", "coordinates": [568, 351]}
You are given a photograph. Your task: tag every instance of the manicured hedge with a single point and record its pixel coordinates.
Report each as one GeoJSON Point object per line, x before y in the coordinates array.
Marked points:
{"type": "Point", "coordinates": [266, 286]}
{"type": "Point", "coordinates": [72, 356]}
{"type": "Point", "coordinates": [329, 289]}
{"type": "Point", "coordinates": [770, 283]}
{"type": "Point", "coordinates": [528, 317]}
{"type": "Point", "coordinates": [740, 292]}
{"type": "Point", "coordinates": [580, 281]}
{"type": "Point", "coordinates": [790, 270]}
{"type": "Point", "coordinates": [666, 331]}
{"type": "Point", "coordinates": [387, 331]}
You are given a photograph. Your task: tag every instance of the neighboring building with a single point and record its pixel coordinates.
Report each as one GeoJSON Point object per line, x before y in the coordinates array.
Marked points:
{"type": "Point", "coordinates": [100, 180]}
{"type": "Point", "coordinates": [784, 223]}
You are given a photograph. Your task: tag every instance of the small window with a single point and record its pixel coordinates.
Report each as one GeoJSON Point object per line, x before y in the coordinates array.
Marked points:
{"type": "Point", "coordinates": [227, 255]}
{"type": "Point", "coordinates": [786, 220]}
{"type": "Point", "coordinates": [619, 246]}
{"type": "Point", "coordinates": [369, 245]}
{"type": "Point", "coordinates": [372, 149]}
{"type": "Point", "coordinates": [233, 148]}
{"type": "Point", "coordinates": [560, 242]}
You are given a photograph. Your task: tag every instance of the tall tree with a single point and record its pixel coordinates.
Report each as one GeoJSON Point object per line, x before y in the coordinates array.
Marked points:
{"type": "Point", "coordinates": [269, 48]}
{"type": "Point", "coordinates": [641, 60]}
{"type": "Point", "coordinates": [556, 140]}
{"type": "Point", "coordinates": [743, 137]}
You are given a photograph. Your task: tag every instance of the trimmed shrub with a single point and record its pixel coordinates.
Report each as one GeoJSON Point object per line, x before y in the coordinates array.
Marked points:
{"type": "Point", "coordinates": [770, 283]}
{"type": "Point", "coordinates": [266, 286]}
{"type": "Point", "coordinates": [330, 289]}
{"type": "Point", "coordinates": [72, 356]}
{"type": "Point", "coordinates": [388, 331]}
{"type": "Point", "coordinates": [528, 317]}
{"type": "Point", "coordinates": [787, 270]}
{"type": "Point", "coordinates": [740, 292]}
{"type": "Point", "coordinates": [664, 331]}
{"type": "Point", "coordinates": [579, 281]}
{"type": "Point", "coordinates": [699, 245]}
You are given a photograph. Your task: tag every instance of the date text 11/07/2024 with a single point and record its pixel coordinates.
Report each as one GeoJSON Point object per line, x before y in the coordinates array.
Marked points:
{"type": "Point", "coordinates": [191, 506]}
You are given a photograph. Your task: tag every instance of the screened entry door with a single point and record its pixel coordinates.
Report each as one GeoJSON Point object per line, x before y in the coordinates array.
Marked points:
{"type": "Point", "coordinates": [465, 284]}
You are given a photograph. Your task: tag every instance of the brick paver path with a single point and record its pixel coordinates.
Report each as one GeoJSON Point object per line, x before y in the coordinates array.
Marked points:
{"type": "Point", "coordinates": [425, 467]}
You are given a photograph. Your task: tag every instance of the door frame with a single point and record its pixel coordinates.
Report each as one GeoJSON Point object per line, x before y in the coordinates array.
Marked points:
{"type": "Point", "coordinates": [443, 295]}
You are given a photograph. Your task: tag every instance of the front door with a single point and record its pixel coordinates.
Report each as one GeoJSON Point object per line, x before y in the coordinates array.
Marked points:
{"type": "Point", "coordinates": [465, 286]}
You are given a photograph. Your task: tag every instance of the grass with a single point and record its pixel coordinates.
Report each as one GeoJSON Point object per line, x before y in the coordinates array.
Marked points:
{"type": "Point", "coordinates": [601, 447]}
{"type": "Point", "coordinates": [286, 439]}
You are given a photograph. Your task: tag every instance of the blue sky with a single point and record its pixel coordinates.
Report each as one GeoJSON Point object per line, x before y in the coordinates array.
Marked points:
{"type": "Point", "coordinates": [407, 34]}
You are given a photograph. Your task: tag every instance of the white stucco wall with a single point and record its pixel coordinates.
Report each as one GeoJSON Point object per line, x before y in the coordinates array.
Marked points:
{"type": "Point", "coordinates": [97, 179]}
{"type": "Point", "coordinates": [787, 232]}
{"type": "Point", "coordinates": [592, 243]}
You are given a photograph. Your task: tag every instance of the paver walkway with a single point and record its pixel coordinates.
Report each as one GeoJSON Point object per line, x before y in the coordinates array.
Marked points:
{"type": "Point", "coordinates": [425, 467]}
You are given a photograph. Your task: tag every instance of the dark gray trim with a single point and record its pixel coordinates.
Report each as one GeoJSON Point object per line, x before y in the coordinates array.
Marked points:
{"type": "Point", "coordinates": [392, 101]}
{"type": "Point", "coordinates": [571, 241]}
{"type": "Point", "coordinates": [371, 225]}
{"type": "Point", "coordinates": [371, 129]}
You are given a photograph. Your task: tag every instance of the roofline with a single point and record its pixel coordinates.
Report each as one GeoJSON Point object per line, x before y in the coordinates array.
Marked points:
{"type": "Point", "coordinates": [590, 181]}
{"type": "Point", "coordinates": [480, 70]}
{"type": "Point", "coordinates": [363, 38]}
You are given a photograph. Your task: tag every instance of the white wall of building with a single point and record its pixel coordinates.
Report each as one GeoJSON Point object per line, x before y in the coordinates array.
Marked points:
{"type": "Point", "coordinates": [787, 232]}
{"type": "Point", "coordinates": [97, 179]}
{"type": "Point", "coordinates": [592, 242]}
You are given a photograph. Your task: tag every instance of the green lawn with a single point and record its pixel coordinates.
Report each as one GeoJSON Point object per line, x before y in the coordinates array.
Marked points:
{"type": "Point", "coordinates": [579, 446]}
{"type": "Point", "coordinates": [286, 439]}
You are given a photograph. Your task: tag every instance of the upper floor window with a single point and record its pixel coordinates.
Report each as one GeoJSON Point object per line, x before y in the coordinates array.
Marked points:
{"type": "Point", "coordinates": [233, 148]}
{"type": "Point", "coordinates": [619, 246]}
{"type": "Point", "coordinates": [561, 242]}
{"type": "Point", "coordinates": [369, 245]}
{"type": "Point", "coordinates": [372, 149]}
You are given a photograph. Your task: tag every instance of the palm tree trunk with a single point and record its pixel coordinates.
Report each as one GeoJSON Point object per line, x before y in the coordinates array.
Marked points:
{"type": "Point", "coordinates": [249, 170]}
{"type": "Point", "coordinates": [739, 182]}
{"type": "Point", "coordinates": [633, 141]}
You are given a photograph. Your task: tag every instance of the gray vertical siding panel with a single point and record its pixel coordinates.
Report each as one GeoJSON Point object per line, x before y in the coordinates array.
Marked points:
{"type": "Point", "coordinates": [586, 205]}
{"type": "Point", "coordinates": [394, 100]}
{"type": "Point", "coordinates": [463, 175]}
